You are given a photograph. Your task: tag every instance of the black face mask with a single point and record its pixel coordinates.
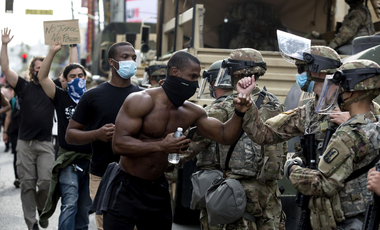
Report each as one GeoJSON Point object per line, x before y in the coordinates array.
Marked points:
{"type": "Point", "coordinates": [179, 90]}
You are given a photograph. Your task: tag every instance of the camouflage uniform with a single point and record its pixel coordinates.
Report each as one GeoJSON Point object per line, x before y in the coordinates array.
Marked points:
{"type": "Point", "coordinates": [256, 167]}
{"type": "Point", "coordinates": [356, 23]}
{"type": "Point", "coordinates": [349, 149]}
{"type": "Point", "coordinates": [207, 152]}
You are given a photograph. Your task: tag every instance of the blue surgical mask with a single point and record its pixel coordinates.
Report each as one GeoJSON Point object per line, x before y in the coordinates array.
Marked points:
{"type": "Point", "coordinates": [305, 84]}
{"type": "Point", "coordinates": [76, 88]}
{"type": "Point", "coordinates": [126, 68]}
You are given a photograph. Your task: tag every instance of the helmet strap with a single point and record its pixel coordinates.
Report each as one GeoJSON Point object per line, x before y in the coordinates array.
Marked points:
{"type": "Point", "coordinates": [361, 97]}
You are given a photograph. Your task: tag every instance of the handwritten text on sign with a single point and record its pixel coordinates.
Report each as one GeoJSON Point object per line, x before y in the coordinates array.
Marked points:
{"type": "Point", "coordinates": [66, 32]}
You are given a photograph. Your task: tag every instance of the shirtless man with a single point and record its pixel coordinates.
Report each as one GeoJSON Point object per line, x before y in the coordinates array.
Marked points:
{"type": "Point", "coordinates": [137, 192]}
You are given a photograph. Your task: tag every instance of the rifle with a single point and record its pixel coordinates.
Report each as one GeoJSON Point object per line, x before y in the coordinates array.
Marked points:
{"type": "Point", "coordinates": [329, 132]}
{"type": "Point", "coordinates": [372, 216]}
{"type": "Point", "coordinates": [308, 146]}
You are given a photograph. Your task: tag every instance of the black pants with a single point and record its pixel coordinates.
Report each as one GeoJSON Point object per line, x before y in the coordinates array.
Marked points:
{"type": "Point", "coordinates": [13, 140]}
{"type": "Point", "coordinates": [139, 202]}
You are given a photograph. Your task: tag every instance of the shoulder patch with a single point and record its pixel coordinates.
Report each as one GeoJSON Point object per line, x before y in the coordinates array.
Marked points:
{"type": "Point", "coordinates": [329, 157]}
{"type": "Point", "coordinates": [289, 112]}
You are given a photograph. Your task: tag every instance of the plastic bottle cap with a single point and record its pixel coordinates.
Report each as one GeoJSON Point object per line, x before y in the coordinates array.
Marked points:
{"type": "Point", "coordinates": [179, 129]}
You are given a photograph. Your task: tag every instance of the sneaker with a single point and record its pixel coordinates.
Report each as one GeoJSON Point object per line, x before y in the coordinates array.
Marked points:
{"type": "Point", "coordinates": [35, 226]}
{"type": "Point", "coordinates": [16, 183]}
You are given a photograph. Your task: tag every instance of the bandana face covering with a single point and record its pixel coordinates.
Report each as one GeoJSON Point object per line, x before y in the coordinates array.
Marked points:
{"type": "Point", "coordinates": [76, 88]}
{"type": "Point", "coordinates": [179, 90]}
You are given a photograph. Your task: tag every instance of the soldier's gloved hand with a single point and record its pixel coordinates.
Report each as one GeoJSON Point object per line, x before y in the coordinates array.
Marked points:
{"type": "Point", "coordinates": [289, 163]}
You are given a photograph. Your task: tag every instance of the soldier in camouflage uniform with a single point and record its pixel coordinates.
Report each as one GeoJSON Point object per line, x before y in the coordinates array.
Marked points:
{"type": "Point", "coordinates": [305, 120]}
{"type": "Point", "coordinates": [207, 151]}
{"type": "Point", "coordinates": [257, 167]}
{"type": "Point", "coordinates": [358, 22]}
{"type": "Point", "coordinates": [154, 73]}
{"type": "Point", "coordinates": [336, 203]}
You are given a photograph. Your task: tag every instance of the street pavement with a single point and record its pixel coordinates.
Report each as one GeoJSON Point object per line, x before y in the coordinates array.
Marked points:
{"type": "Point", "coordinates": [11, 215]}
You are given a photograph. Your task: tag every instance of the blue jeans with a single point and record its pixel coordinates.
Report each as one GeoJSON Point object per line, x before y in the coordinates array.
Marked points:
{"type": "Point", "coordinates": [75, 198]}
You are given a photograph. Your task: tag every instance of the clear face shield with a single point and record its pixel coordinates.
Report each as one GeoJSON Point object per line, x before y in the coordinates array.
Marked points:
{"type": "Point", "coordinates": [223, 72]}
{"type": "Point", "coordinates": [203, 84]}
{"type": "Point", "coordinates": [145, 81]}
{"type": "Point", "coordinates": [229, 67]}
{"type": "Point", "coordinates": [291, 46]}
{"type": "Point", "coordinates": [328, 98]}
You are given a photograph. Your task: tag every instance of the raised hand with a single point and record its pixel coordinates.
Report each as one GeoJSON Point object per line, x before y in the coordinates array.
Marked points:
{"type": "Point", "coordinates": [246, 85]}
{"type": "Point", "coordinates": [242, 102]}
{"type": "Point", "coordinates": [55, 48]}
{"type": "Point", "coordinates": [5, 38]}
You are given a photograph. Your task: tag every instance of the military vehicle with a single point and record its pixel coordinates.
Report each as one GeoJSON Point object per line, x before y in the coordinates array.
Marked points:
{"type": "Point", "coordinates": [210, 30]}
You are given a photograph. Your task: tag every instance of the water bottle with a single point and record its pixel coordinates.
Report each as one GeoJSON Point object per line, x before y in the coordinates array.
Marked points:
{"type": "Point", "coordinates": [174, 157]}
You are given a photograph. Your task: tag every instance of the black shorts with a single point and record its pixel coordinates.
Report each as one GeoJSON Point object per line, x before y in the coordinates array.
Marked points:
{"type": "Point", "coordinates": [139, 202]}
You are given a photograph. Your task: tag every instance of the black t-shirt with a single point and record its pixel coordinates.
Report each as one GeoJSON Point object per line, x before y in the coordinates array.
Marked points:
{"type": "Point", "coordinates": [65, 108]}
{"type": "Point", "coordinates": [36, 111]}
{"type": "Point", "coordinates": [58, 83]}
{"type": "Point", "coordinates": [15, 123]}
{"type": "Point", "coordinates": [100, 106]}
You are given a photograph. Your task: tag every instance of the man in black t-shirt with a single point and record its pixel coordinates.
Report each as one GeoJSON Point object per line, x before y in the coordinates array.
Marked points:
{"type": "Point", "coordinates": [70, 178]}
{"type": "Point", "coordinates": [99, 106]}
{"type": "Point", "coordinates": [35, 152]}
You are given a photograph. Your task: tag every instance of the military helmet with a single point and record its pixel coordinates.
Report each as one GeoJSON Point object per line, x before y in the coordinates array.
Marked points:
{"type": "Point", "coordinates": [249, 55]}
{"type": "Point", "coordinates": [157, 70]}
{"type": "Point", "coordinates": [225, 82]}
{"type": "Point", "coordinates": [358, 75]}
{"type": "Point", "coordinates": [210, 76]}
{"type": "Point", "coordinates": [320, 59]}
{"type": "Point", "coordinates": [242, 63]}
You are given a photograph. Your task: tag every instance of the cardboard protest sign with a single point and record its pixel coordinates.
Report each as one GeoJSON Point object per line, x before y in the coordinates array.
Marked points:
{"type": "Point", "coordinates": [65, 31]}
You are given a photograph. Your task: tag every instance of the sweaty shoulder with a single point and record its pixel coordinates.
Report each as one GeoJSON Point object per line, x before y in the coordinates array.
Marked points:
{"type": "Point", "coordinates": [138, 103]}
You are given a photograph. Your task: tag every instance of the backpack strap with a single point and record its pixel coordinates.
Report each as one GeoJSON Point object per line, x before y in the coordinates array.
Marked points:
{"type": "Point", "coordinates": [258, 103]}
{"type": "Point", "coordinates": [355, 174]}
